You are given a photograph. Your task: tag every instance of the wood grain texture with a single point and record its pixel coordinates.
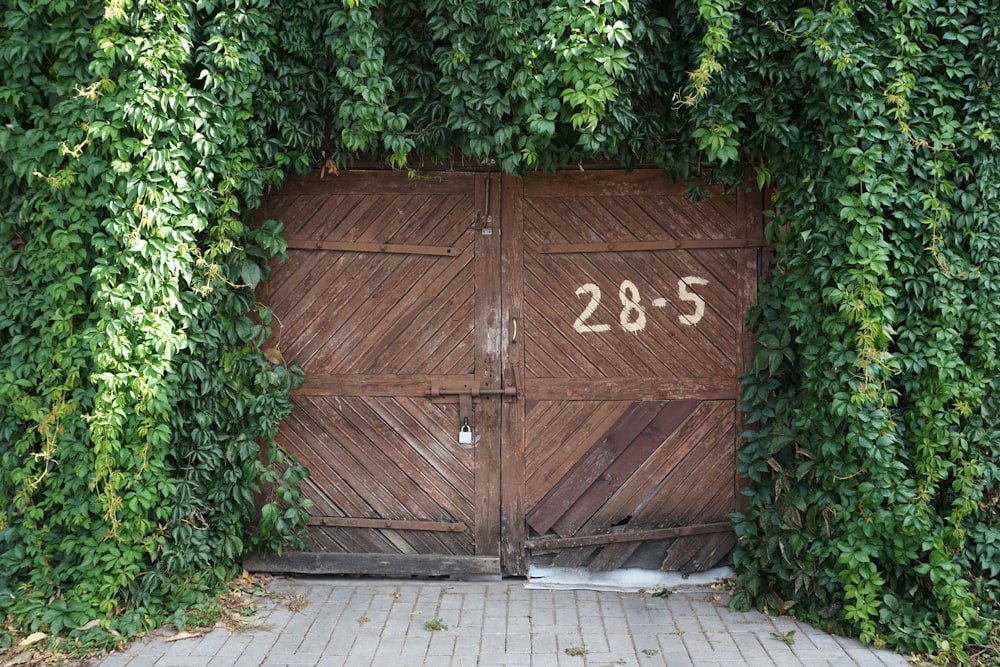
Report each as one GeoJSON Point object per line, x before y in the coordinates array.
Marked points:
{"type": "Point", "coordinates": [598, 466]}
{"type": "Point", "coordinates": [374, 330]}
{"type": "Point", "coordinates": [623, 438]}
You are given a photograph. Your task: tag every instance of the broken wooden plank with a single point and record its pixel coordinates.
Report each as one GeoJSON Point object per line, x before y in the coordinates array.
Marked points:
{"type": "Point", "coordinates": [547, 543]}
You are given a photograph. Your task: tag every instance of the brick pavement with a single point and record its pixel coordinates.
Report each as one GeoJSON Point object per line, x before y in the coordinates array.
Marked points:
{"type": "Point", "coordinates": [388, 623]}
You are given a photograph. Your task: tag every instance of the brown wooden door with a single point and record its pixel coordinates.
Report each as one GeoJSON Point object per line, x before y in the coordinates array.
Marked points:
{"type": "Point", "coordinates": [388, 296]}
{"type": "Point", "coordinates": [629, 300]}
{"type": "Point", "coordinates": [598, 316]}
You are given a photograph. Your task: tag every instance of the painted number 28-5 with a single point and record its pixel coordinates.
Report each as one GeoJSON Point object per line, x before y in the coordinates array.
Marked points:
{"type": "Point", "coordinates": [632, 316]}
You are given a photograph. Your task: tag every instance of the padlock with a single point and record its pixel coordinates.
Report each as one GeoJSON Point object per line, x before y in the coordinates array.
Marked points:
{"type": "Point", "coordinates": [465, 434]}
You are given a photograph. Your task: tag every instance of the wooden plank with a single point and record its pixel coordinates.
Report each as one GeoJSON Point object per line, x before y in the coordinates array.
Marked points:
{"type": "Point", "coordinates": [652, 217]}
{"type": "Point", "coordinates": [671, 415]}
{"type": "Point", "coordinates": [513, 493]}
{"type": "Point", "coordinates": [389, 329]}
{"type": "Point", "coordinates": [648, 246]}
{"type": "Point", "coordinates": [626, 388]}
{"type": "Point", "coordinates": [614, 556]}
{"type": "Point", "coordinates": [574, 558]}
{"type": "Point", "coordinates": [664, 348]}
{"type": "Point", "coordinates": [371, 471]}
{"type": "Point", "coordinates": [664, 336]}
{"type": "Point", "coordinates": [430, 432]}
{"type": "Point", "coordinates": [306, 434]}
{"type": "Point", "coordinates": [698, 553]}
{"type": "Point", "coordinates": [436, 342]}
{"type": "Point", "coordinates": [302, 243]}
{"type": "Point", "coordinates": [390, 565]}
{"type": "Point", "coordinates": [549, 543]}
{"type": "Point", "coordinates": [315, 321]}
{"type": "Point", "coordinates": [611, 183]}
{"type": "Point", "coordinates": [701, 486]}
{"type": "Point", "coordinates": [436, 474]}
{"type": "Point", "coordinates": [588, 467]}
{"type": "Point", "coordinates": [637, 498]}
{"type": "Point", "coordinates": [489, 370]}
{"type": "Point", "coordinates": [342, 540]}
{"type": "Point", "coordinates": [378, 182]}
{"type": "Point", "coordinates": [559, 433]}
{"type": "Point", "coordinates": [366, 291]}
{"type": "Point", "coordinates": [331, 384]}
{"type": "Point", "coordinates": [382, 311]}
{"type": "Point", "coordinates": [353, 522]}
{"type": "Point", "coordinates": [673, 486]}
{"type": "Point", "coordinates": [407, 485]}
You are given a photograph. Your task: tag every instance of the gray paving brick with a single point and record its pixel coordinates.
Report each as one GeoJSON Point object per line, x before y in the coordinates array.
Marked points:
{"type": "Point", "coordinates": [497, 623]}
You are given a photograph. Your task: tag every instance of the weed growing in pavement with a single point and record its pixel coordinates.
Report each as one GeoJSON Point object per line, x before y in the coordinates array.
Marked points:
{"type": "Point", "coordinates": [434, 624]}
{"type": "Point", "coordinates": [581, 650]}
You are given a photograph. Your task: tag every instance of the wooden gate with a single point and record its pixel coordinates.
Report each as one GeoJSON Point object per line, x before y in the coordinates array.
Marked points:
{"type": "Point", "coordinates": [503, 371]}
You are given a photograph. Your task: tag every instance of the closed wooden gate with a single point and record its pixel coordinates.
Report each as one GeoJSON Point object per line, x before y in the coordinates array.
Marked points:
{"type": "Point", "coordinates": [503, 371]}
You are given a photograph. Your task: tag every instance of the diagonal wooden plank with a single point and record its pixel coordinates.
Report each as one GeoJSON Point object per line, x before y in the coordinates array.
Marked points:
{"type": "Point", "coordinates": [432, 444]}
{"type": "Point", "coordinates": [700, 487]}
{"type": "Point", "coordinates": [315, 318]}
{"type": "Point", "coordinates": [381, 309]}
{"type": "Point", "coordinates": [392, 489]}
{"type": "Point", "coordinates": [303, 434]}
{"type": "Point", "coordinates": [403, 482]}
{"type": "Point", "coordinates": [393, 330]}
{"type": "Point", "coordinates": [559, 433]}
{"type": "Point", "coordinates": [698, 553]}
{"type": "Point", "coordinates": [435, 340]}
{"type": "Point", "coordinates": [664, 348]}
{"type": "Point", "coordinates": [613, 556]}
{"type": "Point", "coordinates": [635, 502]}
{"type": "Point", "coordinates": [589, 466]}
{"type": "Point", "coordinates": [670, 417]}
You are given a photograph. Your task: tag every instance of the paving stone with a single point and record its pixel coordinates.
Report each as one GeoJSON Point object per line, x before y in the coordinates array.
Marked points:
{"type": "Point", "coordinates": [497, 623]}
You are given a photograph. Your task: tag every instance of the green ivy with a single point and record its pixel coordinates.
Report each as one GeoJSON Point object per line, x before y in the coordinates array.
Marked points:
{"type": "Point", "coordinates": [872, 459]}
{"type": "Point", "coordinates": [138, 401]}
{"type": "Point", "coordinates": [139, 397]}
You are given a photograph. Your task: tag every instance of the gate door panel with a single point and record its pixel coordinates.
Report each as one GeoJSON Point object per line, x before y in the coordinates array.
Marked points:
{"type": "Point", "coordinates": [383, 301]}
{"type": "Point", "coordinates": [631, 323]}
{"type": "Point", "coordinates": [505, 371]}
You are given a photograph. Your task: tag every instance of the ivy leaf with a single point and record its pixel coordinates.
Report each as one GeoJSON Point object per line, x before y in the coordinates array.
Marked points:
{"type": "Point", "coordinates": [250, 273]}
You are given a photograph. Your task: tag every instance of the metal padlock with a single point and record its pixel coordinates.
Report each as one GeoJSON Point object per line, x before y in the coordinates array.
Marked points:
{"type": "Point", "coordinates": [465, 434]}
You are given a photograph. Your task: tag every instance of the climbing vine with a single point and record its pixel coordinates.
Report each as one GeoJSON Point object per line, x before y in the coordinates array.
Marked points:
{"type": "Point", "coordinates": [140, 389]}
{"type": "Point", "coordinates": [137, 396]}
{"type": "Point", "coordinates": [872, 455]}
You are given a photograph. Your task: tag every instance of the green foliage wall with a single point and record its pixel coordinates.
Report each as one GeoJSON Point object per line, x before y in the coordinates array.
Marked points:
{"type": "Point", "coordinates": [137, 138]}
{"type": "Point", "coordinates": [134, 394]}
{"type": "Point", "coordinates": [872, 464]}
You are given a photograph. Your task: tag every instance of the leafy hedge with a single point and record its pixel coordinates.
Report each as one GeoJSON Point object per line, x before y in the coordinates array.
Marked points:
{"type": "Point", "coordinates": [137, 401]}
{"type": "Point", "coordinates": [872, 463]}
{"type": "Point", "coordinates": [137, 384]}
